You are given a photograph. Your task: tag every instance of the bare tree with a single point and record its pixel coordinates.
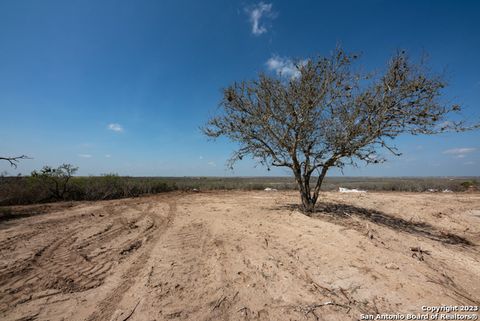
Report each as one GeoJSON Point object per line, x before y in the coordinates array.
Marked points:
{"type": "Point", "coordinates": [331, 115]}
{"type": "Point", "coordinates": [14, 160]}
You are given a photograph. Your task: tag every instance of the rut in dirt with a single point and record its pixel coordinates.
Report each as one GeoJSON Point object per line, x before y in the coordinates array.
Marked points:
{"type": "Point", "coordinates": [69, 257]}
{"type": "Point", "coordinates": [108, 306]}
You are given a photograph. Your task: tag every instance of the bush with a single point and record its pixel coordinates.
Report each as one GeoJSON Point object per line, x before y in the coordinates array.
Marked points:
{"type": "Point", "coordinates": [469, 184]}
{"type": "Point", "coordinates": [40, 188]}
{"type": "Point", "coordinates": [56, 180]}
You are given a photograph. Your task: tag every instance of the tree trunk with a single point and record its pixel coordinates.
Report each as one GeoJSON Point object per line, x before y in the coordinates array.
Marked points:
{"type": "Point", "coordinates": [309, 198]}
{"type": "Point", "coordinates": [318, 186]}
{"type": "Point", "coordinates": [308, 202]}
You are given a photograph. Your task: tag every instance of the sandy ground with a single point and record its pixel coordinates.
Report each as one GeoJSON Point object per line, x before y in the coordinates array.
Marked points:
{"type": "Point", "coordinates": [240, 256]}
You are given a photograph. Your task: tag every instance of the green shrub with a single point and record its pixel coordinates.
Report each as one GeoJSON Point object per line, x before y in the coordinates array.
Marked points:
{"type": "Point", "coordinates": [468, 184]}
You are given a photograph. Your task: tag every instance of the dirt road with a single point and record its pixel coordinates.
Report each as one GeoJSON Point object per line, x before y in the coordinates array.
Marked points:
{"type": "Point", "coordinates": [239, 256]}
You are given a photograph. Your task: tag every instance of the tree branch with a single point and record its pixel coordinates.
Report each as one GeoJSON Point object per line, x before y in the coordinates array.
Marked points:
{"type": "Point", "coordinates": [14, 160]}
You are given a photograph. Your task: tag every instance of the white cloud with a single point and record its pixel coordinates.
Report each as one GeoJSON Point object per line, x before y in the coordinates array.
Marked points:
{"type": "Point", "coordinates": [85, 155]}
{"type": "Point", "coordinates": [284, 67]}
{"type": "Point", "coordinates": [115, 127]}
{"type": "Point", "coordinates": [459, 151]}
{"type": "Point", "coordinates": [256, 13]}
{"type": "Point", "coordinates": [469, 163]}
{"type": "Point", "coordinates": [108, 155]}
{"type": "Point", "coordinates": [200, 157]}
{"type": "Point", "coordinates": [212, 164]}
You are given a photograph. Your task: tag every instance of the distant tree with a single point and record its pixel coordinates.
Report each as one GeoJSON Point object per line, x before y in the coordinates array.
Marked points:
{"type": "Point", "coordinates": [56, 179]}
{"type": "Point", "coordinates": [14, 160]}
{"type": "Point", "coordinates": [330, 115]}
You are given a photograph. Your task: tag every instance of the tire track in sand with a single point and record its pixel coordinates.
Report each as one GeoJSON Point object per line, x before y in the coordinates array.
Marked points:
{"type": "Point", "coordinates": [108, 306]}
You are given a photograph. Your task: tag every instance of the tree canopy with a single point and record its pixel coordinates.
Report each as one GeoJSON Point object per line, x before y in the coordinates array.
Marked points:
{"type": "Point", "coordinates": [330, 114]}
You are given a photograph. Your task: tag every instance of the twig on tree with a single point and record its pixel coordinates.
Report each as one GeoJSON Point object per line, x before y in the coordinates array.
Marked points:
{"type": "Point", "coordinates": [14, 160]}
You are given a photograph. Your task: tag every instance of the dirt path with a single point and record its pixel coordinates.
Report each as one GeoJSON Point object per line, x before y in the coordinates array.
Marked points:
{"type": "Point", "coordinates": [240, 256]}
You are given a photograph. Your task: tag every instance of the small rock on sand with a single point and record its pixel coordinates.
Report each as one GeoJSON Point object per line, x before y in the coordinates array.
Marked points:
{"type": "Point", "coordinates": [391, 266]}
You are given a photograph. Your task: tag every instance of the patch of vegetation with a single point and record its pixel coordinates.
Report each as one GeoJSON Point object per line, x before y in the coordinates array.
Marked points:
{"type": "Point", "coordinates": [32, 189]}
{"type": "Point", "coordinates": [56, 180]}
{"type": "Point", "coordinates": [469, 184]}
{"type": "Point", "coordinates": [58, 184]}
{"type": "Point", "coordinates": [41, 188]}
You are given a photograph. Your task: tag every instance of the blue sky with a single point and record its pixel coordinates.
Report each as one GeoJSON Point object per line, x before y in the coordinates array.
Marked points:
{"type": "Point", "coordinates": [123, 86]}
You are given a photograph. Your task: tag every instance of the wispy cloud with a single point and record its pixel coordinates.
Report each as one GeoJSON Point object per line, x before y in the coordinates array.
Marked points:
{"type": "Point", "coordinates": [469, 163]}
{"type": "Point", "coordinates": [115, 127]}
{"type": "Point", "coordinates": [459, 151]}
{"type": "Point", "coordinates": [284, 67]}
{"type": "Point", "coordinates": [85, 155]}
{"type": "Point", "coordinates": [256, 13]}
{"type": "Point", "coordinates": [108, 155]}
{"type": "Point", "coordinates": [212, 164]}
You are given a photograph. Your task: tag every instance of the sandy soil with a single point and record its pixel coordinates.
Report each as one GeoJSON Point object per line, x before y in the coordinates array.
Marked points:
{"type": "Point", "coordinates": [240, 256]}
